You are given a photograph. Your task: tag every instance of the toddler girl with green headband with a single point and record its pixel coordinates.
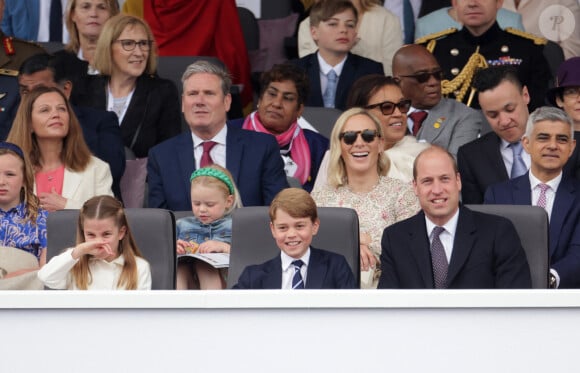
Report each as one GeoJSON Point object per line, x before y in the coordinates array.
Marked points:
{"type": "Point", "coordinates": [209, 230]}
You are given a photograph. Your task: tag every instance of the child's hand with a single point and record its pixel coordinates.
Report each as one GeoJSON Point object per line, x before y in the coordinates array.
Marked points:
{"type": "Point", "coordinates": [184, 247]}
{"type": "Point", "coordinates": [98, 249]}
{"type": "Point", "coordinates": [212, 246]}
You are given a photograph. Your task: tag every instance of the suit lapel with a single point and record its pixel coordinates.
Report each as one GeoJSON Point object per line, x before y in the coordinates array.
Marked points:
{"type": "Point", "coordinates": [316, 271]}
{"type": "Point", "coordinates": [563, 202]}
{"type": "Point", "coordinates": [420, 249]}
{"type": "Point", "coordinates": [314, 80]}
{"type": "Point", "coordinates": [273, 274]}
{"type": "Point", "coordinates": [346, 79]}
{"type": "Point", "coordinates": [428, 129]}
{"type": "Point", "coordinates": [521, 192]}
{"type": "Point", "coordinates": [70, 183]}
{"type": "Point", "coordinates": [186, 159]}
{"type": "Point", "coordinates": [462, 244]}
{"type": "Point", "coordinates": [234, 152]}
{"type": "Point", "coordinates": [493, 155]}
{"type": "Point", "coordinates": [136, 111]}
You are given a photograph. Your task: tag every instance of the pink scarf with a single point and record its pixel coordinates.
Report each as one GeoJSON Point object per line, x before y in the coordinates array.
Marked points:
{"type": "Point", "coordinates": [299, 149]}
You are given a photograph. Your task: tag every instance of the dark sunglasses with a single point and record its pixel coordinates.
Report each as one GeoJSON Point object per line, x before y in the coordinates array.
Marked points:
{"type": "Point", "coordinates": [388, 107]}
{"type": "Point", "coordinates": [423, 77]}
{"type": "Point", "coordinates": [349, 137]}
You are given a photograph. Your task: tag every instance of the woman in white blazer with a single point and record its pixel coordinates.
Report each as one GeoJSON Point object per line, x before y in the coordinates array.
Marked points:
{"type": "Point", "coordinates": [66, 173]}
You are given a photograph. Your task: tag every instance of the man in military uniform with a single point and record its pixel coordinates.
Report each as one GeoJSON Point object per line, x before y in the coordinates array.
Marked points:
{"type": "Point", "coordinates": [482, 43]}
{"type": "Point", "coordinates": [12, 53]}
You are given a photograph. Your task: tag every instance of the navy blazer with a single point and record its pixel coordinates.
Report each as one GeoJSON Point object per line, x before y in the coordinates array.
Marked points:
{"type": "Point", "coordinates": [155, 106]}
{"type": "Point", "coordinates": [253, 159]}
{"type": "Point", "coordinates": [317, 144]}
{"type": "Point", "coordinates": [487, 254]}
{"type": "Point", "coordinates": [564, 222]}
{"type": "Point", "coordinates": [103, 136]}
{"type": "Point", "coordinates": [326, 270]}
{"type": "Point", "coordinates": [354, 67]}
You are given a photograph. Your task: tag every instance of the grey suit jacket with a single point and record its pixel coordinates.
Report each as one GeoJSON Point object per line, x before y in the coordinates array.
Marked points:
{"type": "Point", "coordinates": [450, 124]}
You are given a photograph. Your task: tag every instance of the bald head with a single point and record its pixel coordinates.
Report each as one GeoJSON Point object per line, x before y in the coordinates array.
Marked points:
{"type": "Point", "coordinates": [419, 74]}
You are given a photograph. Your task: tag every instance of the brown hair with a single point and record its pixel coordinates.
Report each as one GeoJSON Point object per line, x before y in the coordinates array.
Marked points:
{"type": "Point", "coordinates": [296, 202]}
{"type": "Point", "coordinates": [74, 43]}
{"type": "Point", "coordinates": [111, 32]}
{"type": "Point", "coordinates": [365, 87]}
{"type": "Point", "coordinates": [75, 153]}
{"type": "Point", "coordinates": [105, 207]}
{"type": "Point", "coordinates": [325, 9]}
{"type": "Point", "coordinates": [286, 72]}
{"type": "Point", "coordinates": [27, 192]}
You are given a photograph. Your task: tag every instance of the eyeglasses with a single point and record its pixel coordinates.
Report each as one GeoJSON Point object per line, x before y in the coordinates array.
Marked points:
{"type": "Point", "coordinates": [388, 107]}
{"type": "Point", "coordinates": [571, 92]}
{"type": "Point", "coordinates": [349, 137]}
{"type": "Point", "coordinates": [423, 77]}
{"type": "Point", "coordinates": [130, 45]}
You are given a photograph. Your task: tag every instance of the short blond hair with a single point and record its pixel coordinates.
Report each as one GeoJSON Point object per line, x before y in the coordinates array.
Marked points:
{"type": "Point", "coordinates": [74, 43]}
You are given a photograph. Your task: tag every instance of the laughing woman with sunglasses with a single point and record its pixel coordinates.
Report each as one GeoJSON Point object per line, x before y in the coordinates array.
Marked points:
{"type": "Point", "coordinates": [357, 178]}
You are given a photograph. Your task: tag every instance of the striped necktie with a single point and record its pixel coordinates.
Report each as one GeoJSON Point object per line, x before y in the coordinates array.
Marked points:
{"type": "Point", "coordinates": [297, 281]}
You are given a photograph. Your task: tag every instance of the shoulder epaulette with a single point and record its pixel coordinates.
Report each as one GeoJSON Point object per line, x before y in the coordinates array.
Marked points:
{"type": "Point", "coordinates": [435, 35]}
{"type": "Point", "coordinates": [8, 72]}
{"type": "Point", "coordinates": [536, 39]}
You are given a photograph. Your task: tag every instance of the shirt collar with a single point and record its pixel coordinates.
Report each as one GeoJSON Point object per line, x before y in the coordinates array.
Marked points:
{"type": "Point", "coordinates": [120, 260]}
{"type": "Point", "coordinates": [450, 226]}
{"type": "Point", "coordinates": [553, 184]}
{"type": "Point", "coordinates": [19, 209]}
{"type": "Point", "coordinates": [287, 260]}
{"type": "Point", "coordinates": [219, 138]}
{"type": "Point", "coordinates": [325, 67]}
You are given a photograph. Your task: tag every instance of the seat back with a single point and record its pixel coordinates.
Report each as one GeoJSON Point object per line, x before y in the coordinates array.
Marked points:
{"type": "Point", "coordinates": [153, 230]}
{"type": "Point", "coordinates": [321, 118]}
{"type": "Point", "coordinates": [252, 241]}
{"type": "Point", "coordinates": [250, 28]}
{"type": "Point", "coordinates": [531, 223]}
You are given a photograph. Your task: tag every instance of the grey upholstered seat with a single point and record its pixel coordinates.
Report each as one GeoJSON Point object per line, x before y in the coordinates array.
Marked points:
{"type": "Point", "coordinates": [531, 223]}
{"type": "Point", "coordinates": [321, 118]}
{"type": "Point", "coordinates": [153, 229]}
{"type": "Point", "coordinates": [252, 241]}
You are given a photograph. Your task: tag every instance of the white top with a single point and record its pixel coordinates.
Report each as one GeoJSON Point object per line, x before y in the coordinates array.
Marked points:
{"type": "Point", "coordinates": [56, 273]}
{"type": "Point", "coordinates": [550, 193]}
{"type": "Point", "coordinates": [507, 155]}
{"type": "Point", "coordinates": [447, 236]}
{"type": "Point", "coordinates": [217, 153]}
{"type": "Point", "coordinates": [288, 268]}
{"type": "Point", "coordinates": [325, 69]}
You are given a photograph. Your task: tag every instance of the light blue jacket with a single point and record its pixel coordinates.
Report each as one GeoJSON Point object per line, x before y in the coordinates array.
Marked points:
{"type": "Point", "coordinates": [192, 230]}
{"type": "Point", "coordinates": [21, 19]}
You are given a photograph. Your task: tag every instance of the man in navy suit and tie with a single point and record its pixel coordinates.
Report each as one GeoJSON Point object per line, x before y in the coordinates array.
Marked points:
{"type": "Point", "coordinates": [293, 222]}
{"type": "Point", "coordinates": [253, 158]}
{"type": "Point", "coordinates": [446, 246]}
{"type": "Point", "coordinates": [550, 142]}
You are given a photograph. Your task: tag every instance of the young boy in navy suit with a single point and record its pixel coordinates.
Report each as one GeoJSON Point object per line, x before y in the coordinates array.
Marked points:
{"type": "Point", "coordinates": [293, 222]}
{"type": "Point", "coordinates": [333, 69]}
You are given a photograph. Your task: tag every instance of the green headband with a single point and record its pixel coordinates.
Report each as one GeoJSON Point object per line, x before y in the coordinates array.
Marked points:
{"type": "Point", "coordinates": [207, 171]}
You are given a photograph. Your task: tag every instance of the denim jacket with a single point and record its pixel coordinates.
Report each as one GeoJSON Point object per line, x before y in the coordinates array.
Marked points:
{"type": "Point", "coordinates": [192, 230]}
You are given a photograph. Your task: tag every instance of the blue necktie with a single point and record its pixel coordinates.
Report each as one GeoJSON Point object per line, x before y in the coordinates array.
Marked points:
{"type": "Point", "coordinates": [330, 92]}
{"type": "Point", "coordinates": [408, 22]}
{"type": "Point", "coordinates": [297, 282]}
{"type": "Point", "coordinates": [518, 167]}
{"type": "Point", "coordinates": [438, 259]}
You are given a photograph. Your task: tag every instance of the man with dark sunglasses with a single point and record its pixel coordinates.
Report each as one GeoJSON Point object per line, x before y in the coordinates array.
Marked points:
{"type": "Point", "coordinates": [445, 122]}
{"type": "Point", "coordinates": [482, 43]}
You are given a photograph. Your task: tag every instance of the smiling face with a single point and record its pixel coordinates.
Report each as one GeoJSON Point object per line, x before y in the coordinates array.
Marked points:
{"type": "Point", "coordinates": [104, 231]}
{"type": "Point", "coordinates": [394, 125]}
{"type": "Point", "coordinates": [506, 110]}
{"type": "Point", "coordinates": [50, 117]}
{"type": "Point", "coordinates": [204, 104]}
{"type": "Point", "coordinates": [89, 16]}
{"type": "Point", "coordinates": [293, 235]}
{"type": "Point", "coordinates": [361, 157]}
{"type": "Point", "coordinates": [11, 180]}
{"type": "Point", "coordinates": [130, 63]}
{"type": "Point", "coordinates": [337, 34]}
{"type": "Point", "coordinates": [477, 15]}
{"type": "Point", "coordinates": [437, 185]}
{"type": "Point", "coordinates": [550, 145]}
{"type": "Point", "coordinates": [209, 203]}
{"type": "Point", "coordinates": [278, 107]}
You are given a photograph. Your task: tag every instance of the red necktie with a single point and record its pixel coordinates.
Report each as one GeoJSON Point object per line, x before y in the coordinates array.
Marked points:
{"type": "Point", "coordinates": [417, 117]}
{"type": "Point", "coordinates": [205, 157]}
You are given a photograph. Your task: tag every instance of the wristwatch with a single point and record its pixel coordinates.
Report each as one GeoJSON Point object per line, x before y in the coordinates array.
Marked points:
{"type": "Point", "coordinates": [552, 283]}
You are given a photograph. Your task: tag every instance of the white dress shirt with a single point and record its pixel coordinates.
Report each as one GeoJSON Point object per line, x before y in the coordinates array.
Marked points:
{"type": "Point", "coordinates": [325, 69]}
{"type": "Point", "coordinates": [507, 155]}
{"type": "Point", "coordinates": [44, 21]}
{"type": "Point", "coordinates": [217, 153]}
{"type": "Point", "coordinates": [447, 236]}
{"type": "Point", "coordinates": [288, 268]}
{"type": "Point", "coordinates": [550, 193]}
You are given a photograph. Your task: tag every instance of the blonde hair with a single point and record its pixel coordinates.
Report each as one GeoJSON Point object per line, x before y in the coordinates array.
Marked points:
{"type": "Point", "coordinates": [75, 153]}
{"type": "Point", "coordinates": [111, 32]}
{"type": "Point", "coordinates": [337, 175]}
{"type": "Point", "coordinates": [74, 43]}
{"type": "Point", "coordinates": [27, 192]}
{"type": "Point", "coordinates": [217, 183]}
{"type": "Point", "coordinates": [105, 207]}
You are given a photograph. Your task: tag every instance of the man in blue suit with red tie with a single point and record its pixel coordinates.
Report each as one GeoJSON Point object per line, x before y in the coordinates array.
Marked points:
{"type": "Point", "coordinates": [252, 158]}
{"type": "Point", "coordinates": [550, 142]}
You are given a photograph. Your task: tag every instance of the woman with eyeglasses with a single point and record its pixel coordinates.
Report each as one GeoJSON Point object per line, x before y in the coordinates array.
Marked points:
{"type": "Point", "coordinates": [357, 178]}
{"type": "Point", "coordinates": [147, 106]}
